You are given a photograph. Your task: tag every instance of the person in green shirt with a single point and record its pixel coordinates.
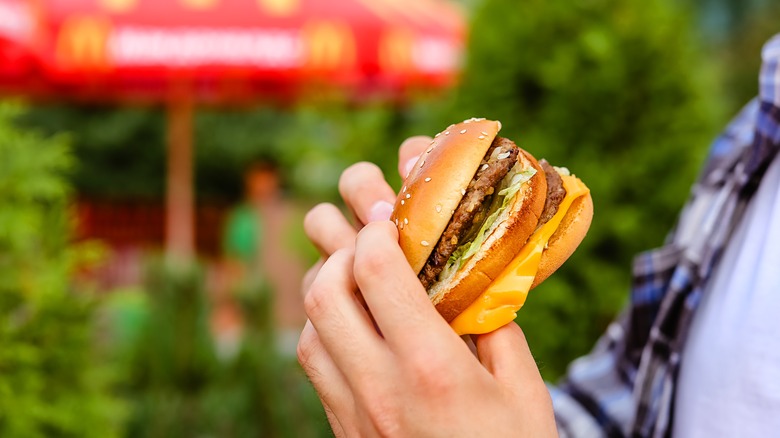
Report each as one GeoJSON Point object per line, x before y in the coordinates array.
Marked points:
{"type": "Point", "coordinates": [243, 233]}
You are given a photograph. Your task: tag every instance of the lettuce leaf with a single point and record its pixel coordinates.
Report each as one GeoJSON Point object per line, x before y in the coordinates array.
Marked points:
{"type": "Point", "coordinates": [505, 196]}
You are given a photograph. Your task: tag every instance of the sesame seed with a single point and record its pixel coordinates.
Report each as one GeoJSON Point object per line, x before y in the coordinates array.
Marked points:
{"type": "Point", "coordinates": [428, 179]}
{"type": "Point", "coordinates": [481, 137]}
{"type": "Point", "coordinates": [484, 133]}
{"type": "Point", "coordinates": [499, 125]}
{"type": "Point", "coordinates": [424, 243]}
{"type": "Point", "coordinates": [406, 221]}
{"type": "Point", "coordinates": [402, 202]}
{"type": "Point", "coordinates": [463, 131]}
{"type": "Point", "coordinates": [437, 134]}
{"type": "Point", "coordinates": [429, 150]}
{"type": "Point", "coordinates": [408, 195]}
{"type": "Point", "coordinates": [438, 209]}
{"type": "Point", "coordinates": [423, 162]}
{"type": "Point", "coordinates": [404, 189]}
{"type": "Point", "coordinates": [396, 222]}
{"type": "Point", "coordinates": [446, 132]}
{"type": "Point", "coordinates": [401, 226]}
{"type": "Point", "coordinates": [462, 191]}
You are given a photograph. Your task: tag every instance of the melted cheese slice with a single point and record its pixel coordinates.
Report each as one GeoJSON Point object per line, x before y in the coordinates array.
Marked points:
{"type": "Point", "coordinates": [498, 305]}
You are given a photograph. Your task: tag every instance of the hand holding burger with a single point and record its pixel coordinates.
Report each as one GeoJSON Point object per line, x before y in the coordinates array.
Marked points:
{"type": "Point", "coordinates": [390, 365]}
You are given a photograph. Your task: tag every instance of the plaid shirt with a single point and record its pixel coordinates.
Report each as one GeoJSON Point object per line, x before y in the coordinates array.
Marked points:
{"type": "Point", "coordinates": [626, 385]}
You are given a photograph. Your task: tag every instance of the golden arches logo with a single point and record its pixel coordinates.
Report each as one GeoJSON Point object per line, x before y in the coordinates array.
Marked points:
{"type": "Point", "coordinates": [118, 6]}
{"type": "Point", "coordinates": [199, 4]}
{"type": "Point", "coordinates": [395, 51]}
{"type": "Point", "coordinates": [81, 43]}
{"type": "Point", "coordinates": [279, 8]}
{"type": "Point", "coordinates": [330, 46]}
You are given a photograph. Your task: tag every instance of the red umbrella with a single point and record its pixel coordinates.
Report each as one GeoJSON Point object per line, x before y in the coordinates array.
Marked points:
{"type": "Point", "coordinates": [181, 52]}
{"type": "Point", "coordinates": [16, 32]}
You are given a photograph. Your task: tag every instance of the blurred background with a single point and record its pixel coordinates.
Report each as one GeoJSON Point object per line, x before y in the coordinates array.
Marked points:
{"type": "Point", "coordinates": [157, 158]}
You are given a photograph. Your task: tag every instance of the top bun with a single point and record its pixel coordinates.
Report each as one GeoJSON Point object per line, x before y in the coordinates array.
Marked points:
{"type": "Point", "coordinates": [422, 214]}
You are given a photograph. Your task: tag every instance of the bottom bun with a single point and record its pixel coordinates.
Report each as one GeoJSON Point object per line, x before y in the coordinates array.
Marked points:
{"type": "Point", "coordinates": [566, 238]}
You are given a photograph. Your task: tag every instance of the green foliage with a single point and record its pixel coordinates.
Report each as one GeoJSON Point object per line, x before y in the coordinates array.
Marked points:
{"type": "Point", "coordinates": [741, 51]}
{"type": "Point", "coordinates": [618, 91]}
{"type": "Point", "coordinates": [122, 151]}
{"type": "Point", "coordinates": [180, 387]}
{"type": "Point", "coordinates": [51, 381]}
{"type": "Point", "coordinates": [118, 150]}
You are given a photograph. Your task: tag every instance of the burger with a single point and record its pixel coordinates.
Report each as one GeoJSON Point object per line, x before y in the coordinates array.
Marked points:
{"type": "Point", "coordinates": [482, 222]}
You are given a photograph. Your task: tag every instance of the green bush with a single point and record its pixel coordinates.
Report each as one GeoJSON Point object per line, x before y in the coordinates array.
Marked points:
{"type": "Point", "coordinates": [52, 382]}
{"type": "Point", "coordinates": [179, 386]}
{"type": "Point", "coordinates": [618, 91]}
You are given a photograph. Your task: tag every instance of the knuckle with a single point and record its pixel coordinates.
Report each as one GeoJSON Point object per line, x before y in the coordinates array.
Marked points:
{"type": "Point", "coordinates": [371, 264]}
{"type": "Point", "coordinates": [308, 278]}
{"type": "Point", "coordinates": [315, 303]}
{"type": "Point", "coordinates": [384, 415]}
{"type": "Point", "coordinates": [431, 373]}
{"type": "Point", "coordinates": [306, 349]}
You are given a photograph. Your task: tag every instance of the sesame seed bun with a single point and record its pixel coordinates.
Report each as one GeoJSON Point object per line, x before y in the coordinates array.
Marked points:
{"type": "Point", "coordinates": [434, 188]}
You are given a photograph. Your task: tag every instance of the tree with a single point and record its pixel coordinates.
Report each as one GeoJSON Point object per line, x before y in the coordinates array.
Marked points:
{"type": "Point", "coordinates": [52, 382]}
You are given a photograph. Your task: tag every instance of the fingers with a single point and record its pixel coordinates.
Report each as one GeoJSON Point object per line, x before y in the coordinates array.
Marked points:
{"type": "Point", "coordinates": [310, 275]}
{"type": "Point", "coordinates": [397, 300]}
{"type": "Point", "coordinates": [506, 355]}
{"type": "Point", "coordinates": [366, 193]}
{"type": "Point", "coordinates": [341, 323]}
{"type": "Point", "coordinates": [328, 381]}
{"type": "Point", "coordinates": [328, 229]}
{"type": "Point", "coordinates": [410, 151]}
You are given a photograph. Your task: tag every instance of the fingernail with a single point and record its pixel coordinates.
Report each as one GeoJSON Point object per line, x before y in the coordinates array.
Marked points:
{"type": "Point", "coordinates": [409, 165]}
{"type": "Point", "coordinates": [380, 211]}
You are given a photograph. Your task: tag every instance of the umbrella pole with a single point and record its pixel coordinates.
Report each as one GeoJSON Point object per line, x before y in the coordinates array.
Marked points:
{"type": "Point", "coordinates": [180, 218]}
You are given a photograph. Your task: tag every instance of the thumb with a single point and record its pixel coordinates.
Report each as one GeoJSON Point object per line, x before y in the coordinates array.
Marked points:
{"type": "Point", "coordinates": [506, 355]}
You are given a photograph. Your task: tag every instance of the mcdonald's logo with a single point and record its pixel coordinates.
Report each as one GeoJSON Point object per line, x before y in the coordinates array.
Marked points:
{"type": "Point", "coordinates": [279, 8]}
{"type": "Point", "coordinates": [395, 51]}
{"type": "Point", "coordinates": [81, 43]}
{"type": "Point", "coordinates": [118, 6]}
{"type": "Point", "coordinates": [199, 4]}
{"type": "Point", "coordinates": [330, 46]}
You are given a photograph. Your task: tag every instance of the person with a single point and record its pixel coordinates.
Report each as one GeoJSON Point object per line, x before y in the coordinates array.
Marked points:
{"type": "Point", "coordinates": [695, 354]}
{"type": "Point", "coordinates": [243, 232]}
{"type": "Point", "coordinates": [256, 255]}
{"type": "Point", "coordinates": [242, 243]}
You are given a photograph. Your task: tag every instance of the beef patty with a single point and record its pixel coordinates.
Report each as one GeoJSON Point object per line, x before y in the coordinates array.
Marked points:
{"type": "Point", "coordinates": [501, 157]}
{"type": "Point", "coordinates": [555, 192]}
